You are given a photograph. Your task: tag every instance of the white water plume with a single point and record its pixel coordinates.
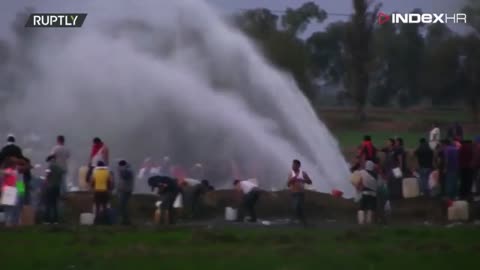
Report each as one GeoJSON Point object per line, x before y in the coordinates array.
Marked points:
{"type": "Point", "coordinates": [156, 78]}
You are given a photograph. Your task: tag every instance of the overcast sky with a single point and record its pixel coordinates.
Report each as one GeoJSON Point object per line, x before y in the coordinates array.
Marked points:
{"type": "Point", "coordinates": [8, 8]}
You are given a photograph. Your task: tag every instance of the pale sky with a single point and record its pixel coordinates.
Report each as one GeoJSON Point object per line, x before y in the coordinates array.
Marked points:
{"type": "Point", "coordinates": [8, 8]}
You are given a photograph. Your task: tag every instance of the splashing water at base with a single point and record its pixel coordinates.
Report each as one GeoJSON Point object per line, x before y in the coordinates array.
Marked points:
{"type": "Point", "coordinates": [171, 77]}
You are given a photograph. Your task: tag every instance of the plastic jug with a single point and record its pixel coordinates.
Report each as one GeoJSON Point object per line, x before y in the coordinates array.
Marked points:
{"type": "Point", "coordinates": [87, 219]}
{"type": "Point", "coordinates": [356, 178]}
{"type": "Point", "coordinates": [254, 181]}
{"type": "Point", "coordinates": [397, 172]}
{"type": "Point", "coordinates": [178, 203]}
{"type": "Point", "coordinates": [410, 188]}
{"type": "Point", "coordinates": [458, 211]}
{"type": "Point", "coordinates": [231, 214]}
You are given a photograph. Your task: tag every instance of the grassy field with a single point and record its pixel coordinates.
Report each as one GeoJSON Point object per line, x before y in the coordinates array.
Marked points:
{"type": "Point", "coordinates": [376, 248]}
{"type": "Point", "coordinates": [382, 124]}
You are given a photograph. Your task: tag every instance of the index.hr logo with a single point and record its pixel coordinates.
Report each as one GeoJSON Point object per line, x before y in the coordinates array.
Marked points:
{"type": "Point", "coordinates": [425, 18]}
{"type": "Point", "coordinates": [56, 20]}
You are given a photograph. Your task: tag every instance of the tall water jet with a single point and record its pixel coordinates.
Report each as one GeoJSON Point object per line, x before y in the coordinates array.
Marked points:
{"type": "Point", "coordinates": [172, 78]}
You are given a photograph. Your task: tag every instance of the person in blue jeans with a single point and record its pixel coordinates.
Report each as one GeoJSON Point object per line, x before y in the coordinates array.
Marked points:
{"type": "Point", "coordinates": [424, 155]}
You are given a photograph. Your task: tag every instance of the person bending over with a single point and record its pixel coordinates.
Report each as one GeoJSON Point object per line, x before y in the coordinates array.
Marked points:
{"type": "Point", "coordinates": [250, 195]}
{"type": "Point", "coordinates": [168, 189]}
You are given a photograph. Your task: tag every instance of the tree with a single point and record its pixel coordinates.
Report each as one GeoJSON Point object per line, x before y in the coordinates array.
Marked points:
{"type": "Point", "coordinates": [358, 41]}
{"type": "Point", "coordinates": [471, 68]}
{"type": "Point", "coordinates": [282, 46]}
{"type": "Point", "coordinates": [296, 21]}
{"type": "Point", "coordinates": [326, 52]}
{"type": "Point", "coordinates": [473, 13]}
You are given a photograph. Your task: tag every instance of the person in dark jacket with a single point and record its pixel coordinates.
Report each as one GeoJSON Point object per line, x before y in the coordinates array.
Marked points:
{"type": "Point", "coordinates": [168, 188]}
{"type": "Point", "coordinates": [424, 155]}
{"type": "Point", "coordinates": [465, 158]}
{"type": "Point", "coordinates": [196, 193]}
{"type": "Point", "coordinates": [10, 150]}
{"type": "Point", "coordinates": [125, 188]}
{"type": "Point", "coordinates": [52, 190]}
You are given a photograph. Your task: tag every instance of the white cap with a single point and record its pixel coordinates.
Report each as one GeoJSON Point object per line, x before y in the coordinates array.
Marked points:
{"type": "Point", "coordinates": [369, 165]}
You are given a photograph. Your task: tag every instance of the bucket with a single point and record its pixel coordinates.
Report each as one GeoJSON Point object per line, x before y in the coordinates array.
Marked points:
{"type": "Point", "coordinates": [231, 214]}
{"type": "Point", "coordinates": [410, 188]}
{"type": "Point", "coordinates": [87, 219]}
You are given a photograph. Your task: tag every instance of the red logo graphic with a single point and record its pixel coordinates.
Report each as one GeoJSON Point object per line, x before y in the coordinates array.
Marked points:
{"type": "Point", "coordinates": [383, 18]}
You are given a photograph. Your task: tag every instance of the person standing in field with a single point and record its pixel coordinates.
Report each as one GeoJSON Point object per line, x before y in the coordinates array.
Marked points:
{"type": "Point", "coordinates": [53, 182]}
{"type": "Point", "coordinates": [424, 155]}
{"type": "Point", "coordinates": [451, 169]}
{"type": "Point", "coordinates": [126, 180]}
{"type": "Point", "coordinates": [401, 155]}
{"type": "Point", "coordinates": [368, 189]}
{"type": "Point", "coordinates": [10, 150]}
{"type": "Point", "coordinates": [368, 150]}
{"type": "Point", "coordinates": [102, 183]}
{"type": "Point", "coordinates": [98, 153]}
{"type": "Point", "coordinates": [9, 181]}
{"type": "Point", "coordinates": [434, 139]}
{"type": "Point", "coordinates": [250, 195]}
{"type": "Point", "coordinates": [297, 180]}
{"type": "Point", "coordinates": [465, 156]}
{"type": "Point", "coordinates": [62, 155]}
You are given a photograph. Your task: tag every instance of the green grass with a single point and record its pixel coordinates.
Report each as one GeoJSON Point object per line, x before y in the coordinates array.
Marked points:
{"type": "Point", "coordinates": [282, 249]}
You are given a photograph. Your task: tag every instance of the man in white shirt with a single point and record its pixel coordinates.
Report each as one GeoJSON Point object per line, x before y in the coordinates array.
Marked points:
{"type": "Point", "coordinates": [250, 195]}
{"type": "Point", "coordinates": [62, 155]}
{"type": "Point", "coordinates": [434, 139]}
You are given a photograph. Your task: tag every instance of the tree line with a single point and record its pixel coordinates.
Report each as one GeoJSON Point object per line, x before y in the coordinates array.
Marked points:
{"type": "Point", "coordinates": [376, 65]}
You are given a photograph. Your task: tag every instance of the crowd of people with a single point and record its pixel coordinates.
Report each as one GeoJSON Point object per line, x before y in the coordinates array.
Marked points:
{"type": "Point", "coordinates": [446, 168]}
{"type": "Point", "coordinates": [29, 198]}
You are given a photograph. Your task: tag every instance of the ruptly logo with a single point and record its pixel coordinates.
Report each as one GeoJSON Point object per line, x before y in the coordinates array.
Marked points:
{"type": "Point", "coordinates": [56, 20]}
{"type": "Point", "coordinates": [423, 18]}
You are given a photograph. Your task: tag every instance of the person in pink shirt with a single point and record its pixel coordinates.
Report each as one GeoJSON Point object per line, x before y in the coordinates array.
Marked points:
{"type": "Point", "coordinates": [10, 175]}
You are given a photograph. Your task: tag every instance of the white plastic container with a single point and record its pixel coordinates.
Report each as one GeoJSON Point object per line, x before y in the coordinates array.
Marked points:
{"type": "Point", "coordinates": [410, 188]}
{"type": "Point", "coordinates": [397, 173]}
{"type": "Point", "coordinates": [254, 181]}
{"type": "Point", "coordinates": [458, 211]}
{"type": "Point", "coordinates": [231, 214]}
{"type": "Point", "coordinates": [87, 219]}
{"type": "Point", "coordinates": [356, 178]}
{"type": "Point", "coordinates": [178, 203]}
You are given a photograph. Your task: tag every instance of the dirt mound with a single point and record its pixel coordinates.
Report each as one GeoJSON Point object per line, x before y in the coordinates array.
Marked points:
{"type": "Point", "coordinates": [273, 205]}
